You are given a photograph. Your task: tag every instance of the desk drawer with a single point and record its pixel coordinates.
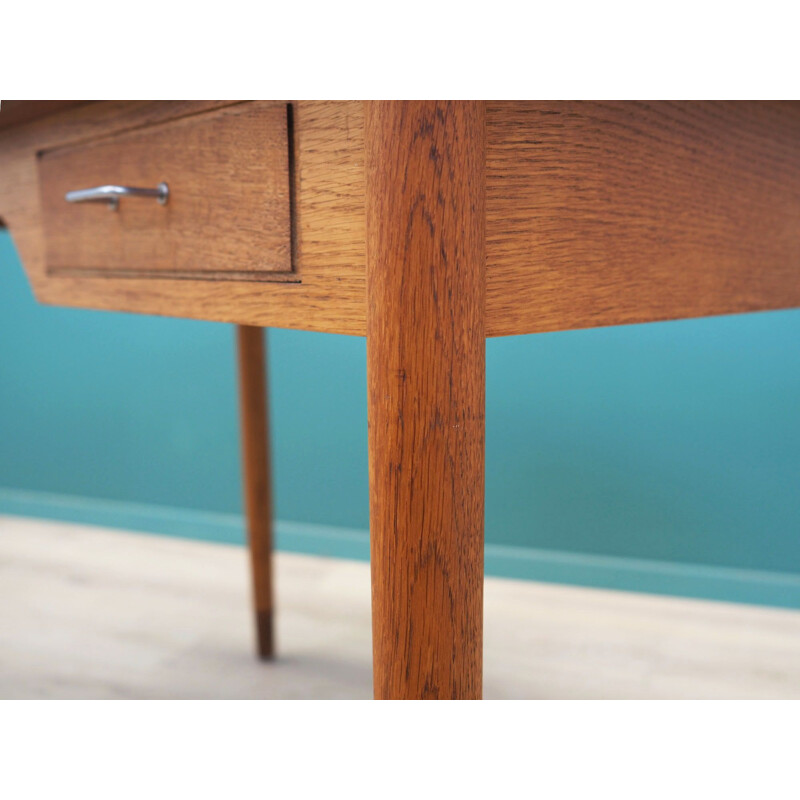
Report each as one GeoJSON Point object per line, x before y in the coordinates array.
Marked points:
{"type": "Point", "coordinates": [227, 212]}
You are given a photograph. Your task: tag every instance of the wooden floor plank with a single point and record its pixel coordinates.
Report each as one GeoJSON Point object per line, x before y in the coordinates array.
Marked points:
{"type": "Point", "coordinates": [88, 612]}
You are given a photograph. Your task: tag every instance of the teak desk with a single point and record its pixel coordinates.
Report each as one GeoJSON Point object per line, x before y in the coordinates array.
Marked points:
{"type": "Point", "coordinates": [426, 227]}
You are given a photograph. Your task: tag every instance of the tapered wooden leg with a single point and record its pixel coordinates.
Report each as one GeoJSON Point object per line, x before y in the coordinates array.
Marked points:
{"type": "Point", "coordinates": [425, 190]}
{"type": "Point", "coordinates": [256, 475]}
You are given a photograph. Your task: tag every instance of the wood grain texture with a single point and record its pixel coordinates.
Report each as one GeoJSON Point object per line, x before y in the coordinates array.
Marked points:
{"type": "Point", "coordinates": [257, 480]}
{"type": "Point", "coordinates": [597, 214]}
{"type": "Point", "coordinates": [611, 213]}
{"type": "Point", "coordinates": [425, 372]}
{"type": "Point", "coordinates": [228, 210]}
{"type": "Point", "coordinates": [16, 112]}
{"type": "Point", "coordinates": [328, 187]}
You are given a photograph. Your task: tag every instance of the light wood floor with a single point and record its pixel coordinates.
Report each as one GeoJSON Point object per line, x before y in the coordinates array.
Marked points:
{"type": "Point", "coordinates": [92, 613]}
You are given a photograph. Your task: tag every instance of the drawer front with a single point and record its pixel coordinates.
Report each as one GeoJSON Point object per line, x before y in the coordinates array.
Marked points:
{"type": "Point", "coordinates": [227, 214]}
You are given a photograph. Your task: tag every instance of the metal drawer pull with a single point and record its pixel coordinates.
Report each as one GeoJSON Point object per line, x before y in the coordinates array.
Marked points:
{"type": "Point", "coordinates": [111, 194]}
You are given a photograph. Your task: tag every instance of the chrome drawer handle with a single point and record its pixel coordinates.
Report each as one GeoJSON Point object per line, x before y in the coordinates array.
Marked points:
{"type": "Point", "coordinates": [111, 194]}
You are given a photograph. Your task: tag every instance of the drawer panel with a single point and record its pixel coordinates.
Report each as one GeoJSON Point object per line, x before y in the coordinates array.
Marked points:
{"type": "Point", "coordinates": [228, 212]}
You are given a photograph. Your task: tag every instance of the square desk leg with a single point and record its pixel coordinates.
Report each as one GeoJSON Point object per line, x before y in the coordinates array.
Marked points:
{"type": "Point", "coordinates": [426, 253]}
{"type": "Point", "coordinates": [256, 477]}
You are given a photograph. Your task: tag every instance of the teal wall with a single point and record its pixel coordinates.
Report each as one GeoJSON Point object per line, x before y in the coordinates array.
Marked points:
{"type": "Point", "coordinates": [659, 457]}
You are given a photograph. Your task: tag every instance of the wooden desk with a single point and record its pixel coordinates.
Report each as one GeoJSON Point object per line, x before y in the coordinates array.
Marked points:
{"type": "Point", "coordinates": [424, 227]}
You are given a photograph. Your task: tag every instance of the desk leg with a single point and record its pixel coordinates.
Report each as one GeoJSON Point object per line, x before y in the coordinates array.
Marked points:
{"type": "Point", "coordinates": [425, 188]}
{"type": "Point", "coordinates": [256, 475]}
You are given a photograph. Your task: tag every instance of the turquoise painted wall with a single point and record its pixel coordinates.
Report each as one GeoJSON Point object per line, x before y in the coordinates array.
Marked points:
{"type": "Point", "coordinates": [660, 445]}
